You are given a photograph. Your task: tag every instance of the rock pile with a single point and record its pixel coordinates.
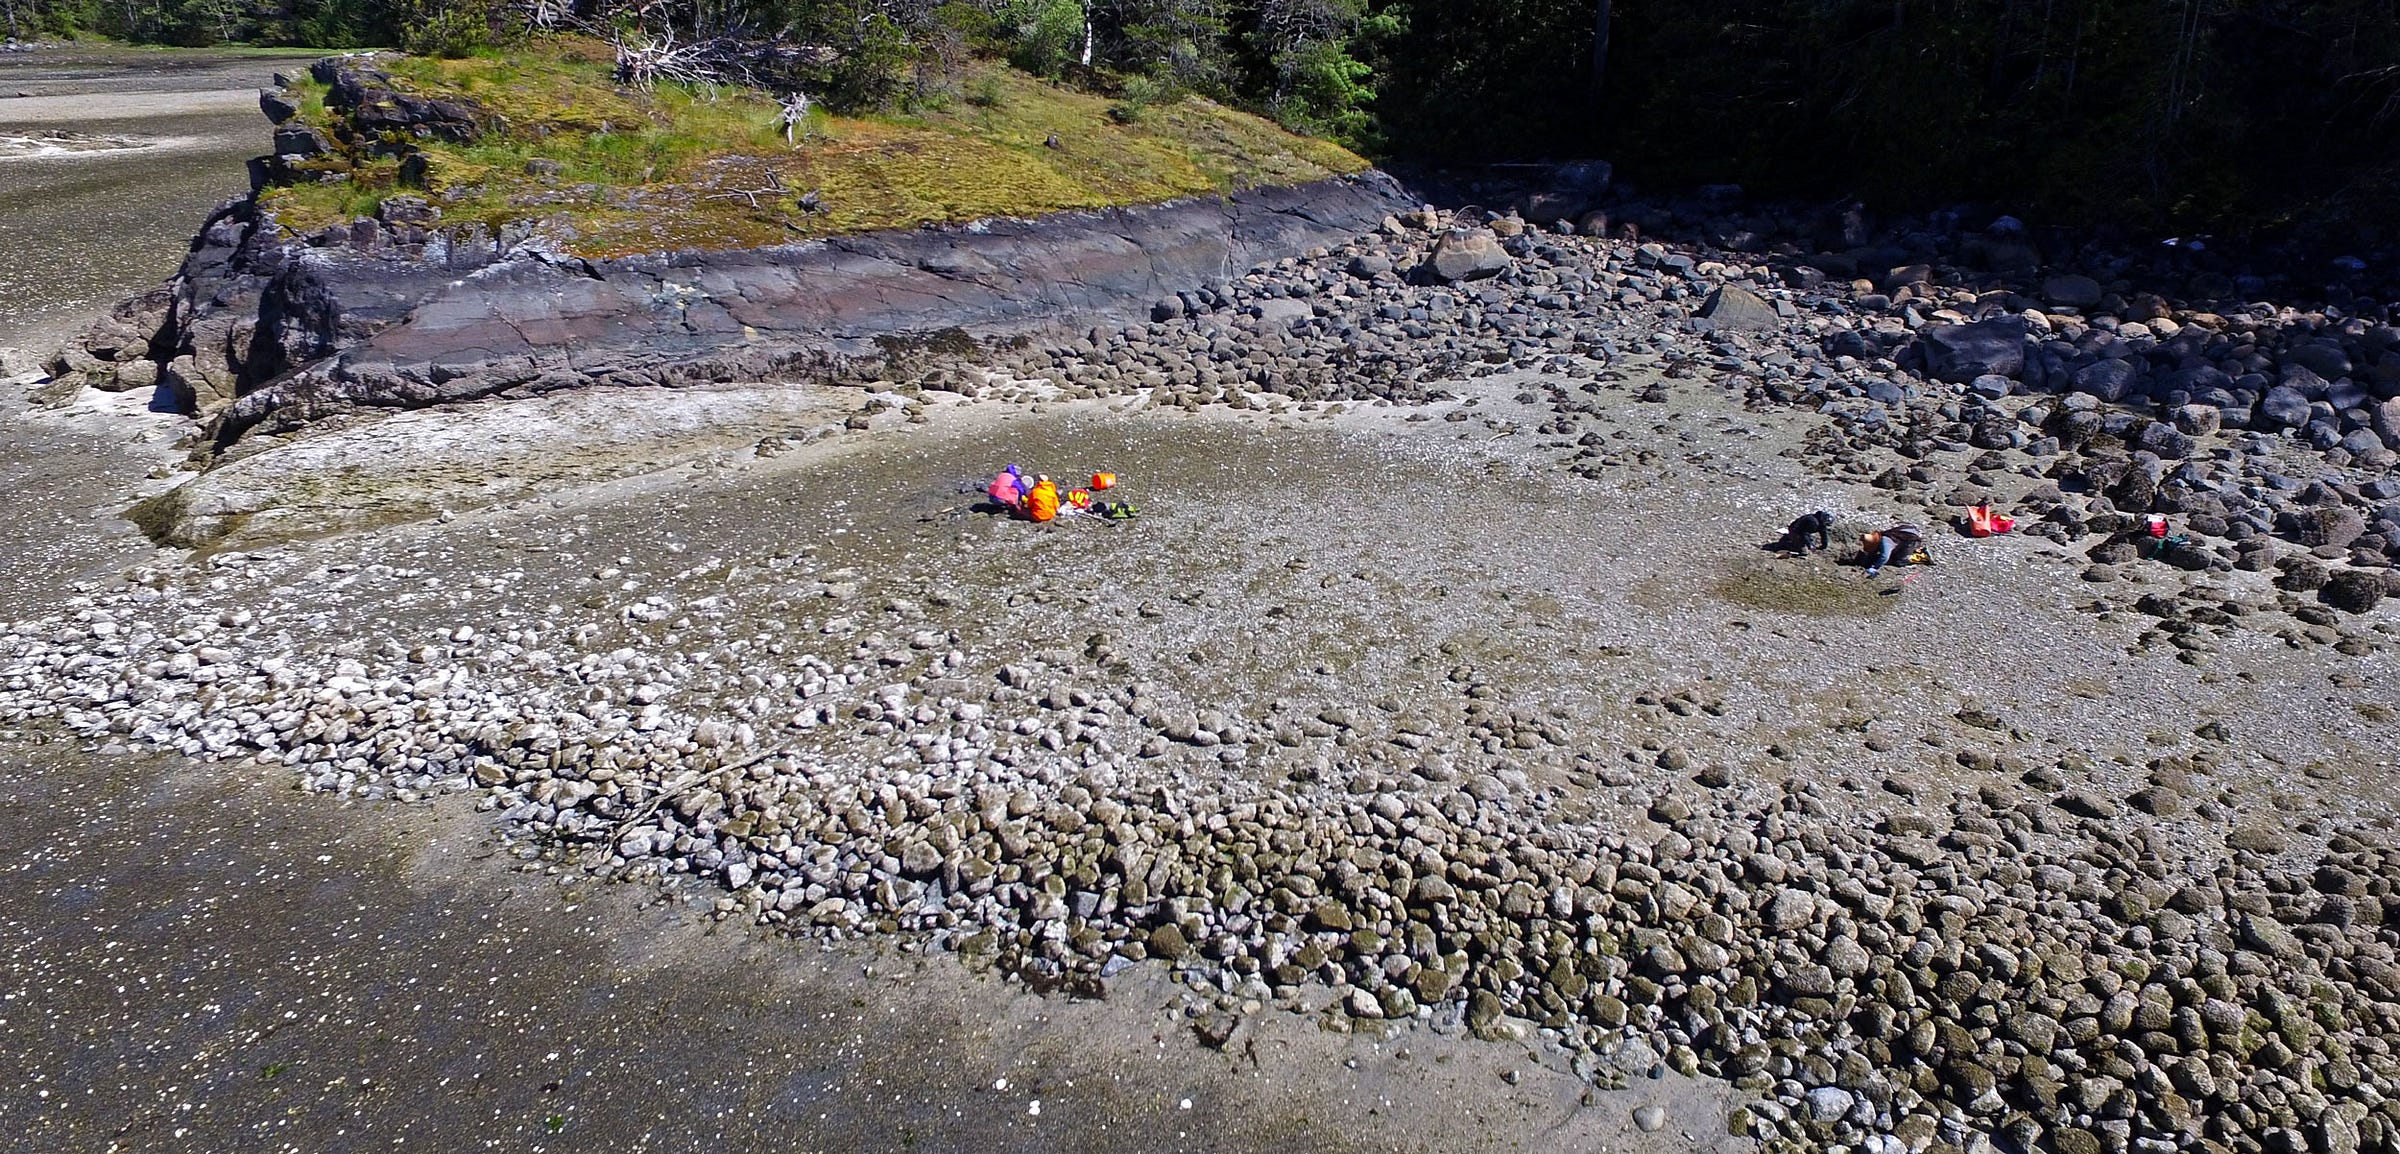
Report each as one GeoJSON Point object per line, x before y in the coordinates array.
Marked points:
{"type": "Point", "coordinates": [2030, 963]}
{"type": "Point", "coordinates": [370, 119]}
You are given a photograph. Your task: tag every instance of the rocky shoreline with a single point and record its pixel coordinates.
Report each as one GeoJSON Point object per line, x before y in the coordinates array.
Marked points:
{"type": "Point", "coordinates": [2035, 957]}
{"type": "Point", "coordinates": [2000, 936]}
{"type": "Point", "coordinates": [2027, 950]}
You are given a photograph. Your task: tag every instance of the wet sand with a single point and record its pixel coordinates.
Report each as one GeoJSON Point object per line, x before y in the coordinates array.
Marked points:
{"type": "Point", "coordinates": [201, 959]}
{"type": "Point", "coordinates": [80, 229]}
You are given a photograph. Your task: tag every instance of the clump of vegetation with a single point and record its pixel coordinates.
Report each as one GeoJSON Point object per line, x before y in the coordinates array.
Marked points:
{"type": "Point", "coordinates": [612, 169]}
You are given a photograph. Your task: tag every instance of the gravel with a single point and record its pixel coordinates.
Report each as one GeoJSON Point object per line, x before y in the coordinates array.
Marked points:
{"type": "Point", "coordinates": [1569, 764]}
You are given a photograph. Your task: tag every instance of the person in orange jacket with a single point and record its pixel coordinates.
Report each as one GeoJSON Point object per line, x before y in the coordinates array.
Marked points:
{"type": "Point", "coordinates": [1041, 502]}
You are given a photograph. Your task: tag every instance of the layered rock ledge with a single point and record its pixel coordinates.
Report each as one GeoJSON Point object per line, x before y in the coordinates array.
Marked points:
{"type": "Point", "coordinates": [262, 327]}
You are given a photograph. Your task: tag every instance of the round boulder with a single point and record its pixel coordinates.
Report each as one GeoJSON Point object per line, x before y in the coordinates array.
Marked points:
{"type": "Point", "coordinates": [1468, 254]}
{"type": "Point", "coordinates": [2353, 590]}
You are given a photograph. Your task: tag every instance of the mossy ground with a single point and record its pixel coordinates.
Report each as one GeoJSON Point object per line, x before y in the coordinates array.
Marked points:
{"type": "Point", "coordinates": [1808, 588]}
{"type": "Point", "coordinates": [640, 171]}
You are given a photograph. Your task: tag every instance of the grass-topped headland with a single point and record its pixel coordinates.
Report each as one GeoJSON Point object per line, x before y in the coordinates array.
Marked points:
{"type": "Point", "coordinates": [610, 169]}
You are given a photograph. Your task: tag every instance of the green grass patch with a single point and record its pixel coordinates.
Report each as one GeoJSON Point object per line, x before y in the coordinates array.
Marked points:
{"type": "Point", "coordinates": [613, 171]}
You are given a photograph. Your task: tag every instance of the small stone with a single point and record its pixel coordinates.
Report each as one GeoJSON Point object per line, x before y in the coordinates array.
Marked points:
{"type": "Point", "coordinates": [920, 859]}
{"type": "Point", "coordinates": [1168, 942]}
{"type": "Point", "coordinates": [1829, 1103]}
{"type": "Point", "coordinates": [2083, 803]}
{"type": "Point", "coordinates": [1791, 910]}
{"type": "Point", "coordinates": [1845, 957]}
{"type": "Point", "coordinates": [2269, 937]}
{"type": "Point", "coordinates": [1650, 1119]}
{"type": "Point", "coordinates": [1216, 1028]}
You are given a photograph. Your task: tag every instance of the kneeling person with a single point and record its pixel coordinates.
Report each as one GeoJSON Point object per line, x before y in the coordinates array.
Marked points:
{"type": "Point", "coordinates": [1906, 542]}
{"type": "Point", "coordinates": [1813, 531]}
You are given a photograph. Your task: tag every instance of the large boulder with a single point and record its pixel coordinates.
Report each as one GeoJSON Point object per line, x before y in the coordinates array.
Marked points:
{"type": "Point", "coordinates": [1960, 353]}
{"type": "Point", "coordinates": [2072, 291]}
{"type": "Point", "coordinates": [2198, 420]}
{"type": "Point", "coordinates": [1737, 308]}
{"type": "Point", "coordinates": [2353, 590]}
{"type": "Point", "coordinates": [2109, 380]}
{"type": "Point", "coordinates": [114, 353]}
{"type": "Point", "coordinates": [278, 106]}
{"type": "Point", "coordinates": [2387, 422]}
{"type": "Point", "coordinates": [2324, 358]}
{"type": "Point", "coordinates": [2164, 439]}
{"type": "Point", "coordinates": [2304, 380]}
{"type": "Point", "coordinates": [2282, 407]}
{"type": "Point", "coordinates": [1468, 254]}
{"type": "Point", "coordinates": [2321, 525]}
{"type": "Point", "coordinates": [299, 140]}
{"type": "Point", "coordinates": [1281, 312]}
{"type": "Point", "coordinates": [2199, 380]}
{"type": "Point", "coordinates": [127, 377]}
{"type": "Point", "coordinates": [2137, 489]}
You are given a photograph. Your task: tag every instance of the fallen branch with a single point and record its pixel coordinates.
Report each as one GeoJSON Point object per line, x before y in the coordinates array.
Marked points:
{"type": "Point", "coordinates": [642, 62]}
{"type": "Point", "coordinates": [735, 55]}
{"type": "Point", "coordinates": [774, 187]}
{"type": "Point", "coordinates": [690, 780]}
{"type": "Point", "coordinates": [795, 118]}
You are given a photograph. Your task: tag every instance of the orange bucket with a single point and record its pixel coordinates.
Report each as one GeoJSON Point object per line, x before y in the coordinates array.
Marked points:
{"type": "Point", "coordinates": [1104, 481]}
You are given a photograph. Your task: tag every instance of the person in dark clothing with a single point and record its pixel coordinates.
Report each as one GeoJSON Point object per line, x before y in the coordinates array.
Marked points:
{"type": "Point", "coordinates": [1813, 531]}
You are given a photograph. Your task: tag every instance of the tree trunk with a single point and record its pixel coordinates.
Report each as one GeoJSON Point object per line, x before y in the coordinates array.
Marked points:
{"type": "Point", "coordinates": [1600, 48]}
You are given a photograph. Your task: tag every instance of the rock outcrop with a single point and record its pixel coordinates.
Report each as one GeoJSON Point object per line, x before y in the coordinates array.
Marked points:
{"type": "Point", "coordinates": [262, 326]}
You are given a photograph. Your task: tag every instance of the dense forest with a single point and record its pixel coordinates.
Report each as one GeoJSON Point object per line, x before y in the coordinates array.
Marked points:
{"type": "Point", "coordinates": [2193, 114]}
